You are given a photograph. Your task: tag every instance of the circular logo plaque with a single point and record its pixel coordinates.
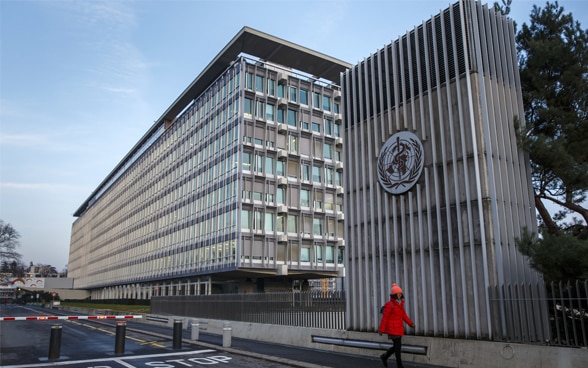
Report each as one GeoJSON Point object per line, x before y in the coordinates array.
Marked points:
{"type": "Point", "coordinates": [400, 162]}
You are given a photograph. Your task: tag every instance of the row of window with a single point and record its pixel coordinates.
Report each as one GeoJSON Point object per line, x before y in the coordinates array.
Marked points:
{"type": "Point", "coordinates": [293, 117]}
{"type": "Point", "coordinates": [259, 219]}
{"type": "Point", "coordinates": [292, 169]}
{"type": "Point", "coordinates": [301, 95]}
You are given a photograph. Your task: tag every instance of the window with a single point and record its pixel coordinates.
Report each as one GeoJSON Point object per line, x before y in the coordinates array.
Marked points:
{"type": "Point", "coordinates": [271, 87]}
{"type": "Point", "coordinates": [305, 254]}
{"type": "Point", "coordinates": [316, 174]}
{"type": "Point", "coordinates": [317, 226]}
{"type": "Point", "coordinates": [259, 109]}
{"type": "Point", "coordinates": [328, 127]}
{"type": "Point", "coordinates": [257, 223]}
{"type": "Point", "coordinates": [292, 118]}
{"type": "Point", "coordinates": [281, 223]}
{"type": "Point", "coordinates": [281, 195]}
{"type": "Point", "coordinates": [280, 168]}
{"type": "Point", "coordinates": [305, 198]}
{"type": "Point", "coordinates": [340, 253]}
{"type": "Point", "coordinates": [293, 94]}
{"type": "Point", "coordinates": [318, 200]}
{"type": "Point", "coordinates": [331, 226]}
{"type": "Point", "coordinates": [319, 252]}
{"type": "Point", "coordinates": [336, 108]}
{"type": "Point", "coordinates": [269, 165]}
{"type": "Point", "coordinates": [248, 80]}
{"type": "Point", "coordinates": [330, 256]}
{"type": "Point", "coordinates": [293, 169]}
{"type": "Point", "coordinates": [338, 179]}
{"type": "Point", "coordinates": [247, 161]}
{"type": "Point", "coordinates": [248, 106]}
{"type": "Point", "coordinates": [330, 176]}
{"type": "Point", "coordinates": [303, 96]}
{"type": "Point", "coordinates": [329, 201]}
{"type": "Point", "coordinates": [281, 114]}
{"type": "Point", "coordinates": [292, 224]}
{"type": "Point", "coordinates": [259, 83]}
{"type": "Point", "coordinates": [281, 90]}
{"type": "Point", "coordinates": [328, 151]}
{"type": "Point", "coordinates": [245, 219]}
{"type": "Point", "coordinates": [258, 163]}
{"type": "Point", "coordinates": [258, 196]}
{"type": "Point", "coordinates": [326, 103]}
{"type": "Point", "coordinates": [337, 130]}
{"type": "Point", "coordinates": [316, 127]}
{"type": "Point", "coordinates": [269, 112]}
{"type": "Point", "coordinates": [293, 144]}
{"type": "Point", "coordinates": [269, 224]}
{"type": "Point", "coordinates": [316, 100]}
{"type": "Point", "coordinates": [305, 172]}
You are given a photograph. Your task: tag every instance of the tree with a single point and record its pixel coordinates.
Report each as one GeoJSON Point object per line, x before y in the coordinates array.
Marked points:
{"type": "Point", "coordinates": [503, 8]}
{"type": "Point", "coordinates": [46, 270]}
{"type": "Point", "coordinates": [8, 244]}
{"type": "Point", "coordinates": [553, 63]}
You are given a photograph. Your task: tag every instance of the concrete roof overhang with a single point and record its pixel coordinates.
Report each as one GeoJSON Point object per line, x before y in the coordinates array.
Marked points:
{"type": "Point", "coordinates": [268, 48]}
{"type": "Point", "coordinates": [248, 41]}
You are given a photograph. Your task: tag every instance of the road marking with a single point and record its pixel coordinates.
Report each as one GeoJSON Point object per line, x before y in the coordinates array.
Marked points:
{"type": "Point", "coordinates": [117, 360]}
{"type": "Point", "coordinates": [124, 363]}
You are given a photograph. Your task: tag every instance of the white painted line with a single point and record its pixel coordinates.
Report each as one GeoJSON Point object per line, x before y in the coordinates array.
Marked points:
{"type": "Point", "coordinates": [124, 363]}
{"type": "Point", "coordinates": [113, 359]}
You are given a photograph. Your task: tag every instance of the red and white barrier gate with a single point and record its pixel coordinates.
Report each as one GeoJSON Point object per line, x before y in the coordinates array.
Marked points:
{"type": "Point", "coordinates": [53, 318]}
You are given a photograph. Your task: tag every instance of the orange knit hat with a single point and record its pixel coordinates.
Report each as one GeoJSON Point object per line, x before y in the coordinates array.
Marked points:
{"type": "Point", "coordinates": [395, 289]}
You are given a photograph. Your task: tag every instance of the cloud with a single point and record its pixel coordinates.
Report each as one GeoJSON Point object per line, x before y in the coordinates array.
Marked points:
{"type": "Point", "coordinates": [22, 140]}
{"type": "Point", "coordinates": [41, 187]}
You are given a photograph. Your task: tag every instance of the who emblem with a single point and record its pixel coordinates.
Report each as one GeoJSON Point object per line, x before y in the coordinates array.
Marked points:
{"type": "Point", "coordinates": [400, 162]}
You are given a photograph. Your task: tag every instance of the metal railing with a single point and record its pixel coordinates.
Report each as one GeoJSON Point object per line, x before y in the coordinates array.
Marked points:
{"type": "Point", "coordinates": [554, 314]}
{"type": "Point", "coordinates": [305, 308]}
{"type": "Point", "coordinates": [568, 312]}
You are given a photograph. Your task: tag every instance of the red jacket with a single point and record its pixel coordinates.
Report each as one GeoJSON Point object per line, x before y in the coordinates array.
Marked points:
{"type": "Point", "coordinates": [393, 317]}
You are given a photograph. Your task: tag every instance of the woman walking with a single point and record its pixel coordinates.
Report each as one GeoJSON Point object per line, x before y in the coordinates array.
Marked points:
{"type": "Point", "coordinates": [393, 318]}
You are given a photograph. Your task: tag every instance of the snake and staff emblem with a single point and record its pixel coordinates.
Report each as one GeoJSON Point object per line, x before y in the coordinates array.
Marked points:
{"type": "Point", "coordinates": [400, 162]}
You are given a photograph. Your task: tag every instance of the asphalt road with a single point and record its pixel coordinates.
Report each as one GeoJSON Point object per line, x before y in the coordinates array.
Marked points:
{"type": "Point", "coordinates": [93, 344]}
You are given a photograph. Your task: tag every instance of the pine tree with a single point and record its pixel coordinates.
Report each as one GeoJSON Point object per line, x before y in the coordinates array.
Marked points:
{"type": "Point", "coordinates": [553, 62]}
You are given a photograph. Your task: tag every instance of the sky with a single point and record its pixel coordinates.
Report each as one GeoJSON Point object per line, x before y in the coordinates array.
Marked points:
{"type": "Point", "coordinates": [81, 81]}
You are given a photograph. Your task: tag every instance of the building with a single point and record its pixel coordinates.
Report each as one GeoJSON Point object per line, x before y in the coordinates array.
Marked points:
{"type": "Point", "coordinates": [237, 187]}
{"type": "Point", "coordinates": [437, 189]}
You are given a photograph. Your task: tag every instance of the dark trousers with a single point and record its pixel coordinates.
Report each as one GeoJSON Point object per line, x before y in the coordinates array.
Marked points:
{"type": "Point", "coordinates": [395, 349]}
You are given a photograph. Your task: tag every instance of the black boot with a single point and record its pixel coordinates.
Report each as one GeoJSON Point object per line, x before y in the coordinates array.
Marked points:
{"type": "Point", "coordinates": [384, 359]}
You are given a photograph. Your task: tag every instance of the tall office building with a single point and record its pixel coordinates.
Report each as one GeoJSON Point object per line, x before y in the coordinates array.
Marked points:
{"type": "Point", "coordinates": [437, 188]}
{"type": "Point", "coordinates": [237, 187]}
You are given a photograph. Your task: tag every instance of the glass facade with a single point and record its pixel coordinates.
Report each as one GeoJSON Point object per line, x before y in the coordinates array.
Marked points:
{"type": "Point", "coordinates": [222, 188]}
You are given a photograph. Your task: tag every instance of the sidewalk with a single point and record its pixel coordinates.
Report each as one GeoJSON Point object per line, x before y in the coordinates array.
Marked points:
{"type": "Point", "coordinates": [300, 357]}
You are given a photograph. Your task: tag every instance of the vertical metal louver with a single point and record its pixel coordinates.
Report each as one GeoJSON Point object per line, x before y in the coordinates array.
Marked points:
{"type": "Point", "coordinates": [450, 238]}
{"type": "Point", "coordinates": [406, 59]}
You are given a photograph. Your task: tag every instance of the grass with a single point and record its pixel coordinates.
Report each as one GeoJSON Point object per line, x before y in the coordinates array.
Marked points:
{"type": "Point", "coordinates": [136, 309]}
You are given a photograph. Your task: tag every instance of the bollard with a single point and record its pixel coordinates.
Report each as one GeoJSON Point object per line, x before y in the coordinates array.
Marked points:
{"type": "Point", "coordinates": [195, 330]}
{"type": "Point", "coordinates": [119, 341]}
{"type": "Point", "coordinates": [177, 343]}
{"type": "Point", "coordinates": [55, 342]}
{"type": "Point", "coordinates": [226, 335]}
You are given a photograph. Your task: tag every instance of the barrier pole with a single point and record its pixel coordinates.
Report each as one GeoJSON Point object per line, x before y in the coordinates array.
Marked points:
{"type": "Point", "coordinates": [226, 335]}
{"type": "Point", "coordinates": [195, 330]}
{"type": "Point", "coordinates": [55, 342]}
{"type": "Point", "coordinates": [177, 342]}
{"type": "Point", "coordinates": [119, 341]}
